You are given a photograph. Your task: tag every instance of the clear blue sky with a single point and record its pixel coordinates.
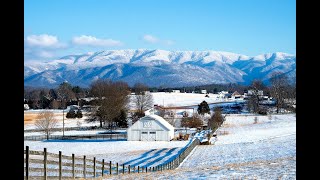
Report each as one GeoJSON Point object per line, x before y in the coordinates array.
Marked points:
{"type": "Point", "coordinates": [56, 28]}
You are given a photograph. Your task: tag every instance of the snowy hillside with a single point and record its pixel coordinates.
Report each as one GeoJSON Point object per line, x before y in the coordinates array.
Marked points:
{"type": "Point", "coordinates": [158, 67]}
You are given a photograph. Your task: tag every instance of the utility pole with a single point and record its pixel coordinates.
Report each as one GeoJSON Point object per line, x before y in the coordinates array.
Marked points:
{"type": "Point", "coordinates": [63, 121]}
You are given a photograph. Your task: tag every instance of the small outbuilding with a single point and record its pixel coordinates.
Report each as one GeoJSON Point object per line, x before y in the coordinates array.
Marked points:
{"type": "Point", "coordinates": [150, 128]}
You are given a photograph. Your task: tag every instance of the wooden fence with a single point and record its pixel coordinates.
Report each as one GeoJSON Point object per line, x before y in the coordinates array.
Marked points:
{"type": "Point", "coordinates": [45, 165]}
{"type": "Point", "coordinates": [83, 128]}
{"type": "Point", "coordinates": [78, 137]}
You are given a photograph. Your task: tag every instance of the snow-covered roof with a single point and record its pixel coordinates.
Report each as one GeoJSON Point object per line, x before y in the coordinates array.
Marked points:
{"type": "Point", "coordinates": [160, 120]}
{"type": "Point", "coordinates": [235, 93]}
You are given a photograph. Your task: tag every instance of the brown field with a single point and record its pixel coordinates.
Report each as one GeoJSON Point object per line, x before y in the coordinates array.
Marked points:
{"type": "Point", "coordinates": [29, 118]}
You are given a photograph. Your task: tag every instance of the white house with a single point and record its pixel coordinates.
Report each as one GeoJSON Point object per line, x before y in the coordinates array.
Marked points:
{"type": "Point", "coordinates": [150, 128]}
{"type": "Point", "coordinates": [223, 94]}
{"type": "Point", "coordinates": [203, 91]}
{"type": "Point", "coordinates": [176, 91]}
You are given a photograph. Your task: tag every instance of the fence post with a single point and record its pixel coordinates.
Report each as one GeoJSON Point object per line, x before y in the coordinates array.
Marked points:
{"type": "Point", "coordinates": [122, 168]}
{"type": "Point", "coordinates": [138, 169]}
{"type": "Point", "coordinates": [102, 169]}
{"type": "Point", "coordinates": [129, 168]}
{"type": "Point", "coordinates": [146, 169]}
{"type": "Point", "coordinates": [117, 168]}
{"type": "Point", "coordinates": [73, 168]}
{"type": "Point", "coordinates": [27, 162]}
{"type": "Point", "coordinates": [60, 165]}
{"type": "Point", "coordinates": [110, 168]}
{"type": "Point", "coordinates": [94, 166]}
{"type": "Point", "coordinates": [84, 167]}
{"type": "Point", "coordinates": [45, 162]}
{"type": "Point", "coordinates": [152, 168]}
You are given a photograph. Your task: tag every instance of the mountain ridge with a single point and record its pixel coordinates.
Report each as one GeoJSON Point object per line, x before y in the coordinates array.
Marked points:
{"type": "Point", "coordinates": [158, 67]}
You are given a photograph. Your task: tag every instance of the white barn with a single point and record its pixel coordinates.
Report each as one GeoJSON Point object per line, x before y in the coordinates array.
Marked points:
{"type": "Point", "coordinates": [150, 128]}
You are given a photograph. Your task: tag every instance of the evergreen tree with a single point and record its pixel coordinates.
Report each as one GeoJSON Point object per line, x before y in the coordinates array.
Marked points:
{"type": "Point", "coordinates": [121, 120]}
{"type": "Point", "coordinates": [203, 108]}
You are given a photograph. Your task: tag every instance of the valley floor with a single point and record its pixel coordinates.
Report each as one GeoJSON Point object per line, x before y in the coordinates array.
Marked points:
{"type": "Point", "coordinates": [244, 149]}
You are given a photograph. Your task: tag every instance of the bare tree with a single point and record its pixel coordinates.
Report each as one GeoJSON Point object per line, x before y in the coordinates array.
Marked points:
{"type": "Point", "coordinates": [143, 100]}
{"type": "Point", "coordinates": [46, 122]}
{"type": "Point", "coordinates": [54, 104]}
{"type": "Point", "coordinates": [216, 119]}
{"type": "Point", "coordinates": [254, 98]}
{"type": "Point", "coordinates": [279, 89]}
{"type": "Point", "coordinates": [192, 122]}
{"type": "Point", "coordinates": [65, 93]}
{"type": "Point", "coordinates": [112, 98]}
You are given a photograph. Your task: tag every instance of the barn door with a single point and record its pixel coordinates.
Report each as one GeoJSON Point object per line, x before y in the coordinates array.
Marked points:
{"type": "Point", "coordinates": [148, 136]}
{"type": "Point", "coordinates": [144, 136]}
{"type": "Point", "coordinates": [152, 136]}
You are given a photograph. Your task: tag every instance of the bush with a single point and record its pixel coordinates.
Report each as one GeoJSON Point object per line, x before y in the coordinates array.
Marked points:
{"type": "Point", "coordinates": [79, 114]}
{"type": "Point", "coordinates": [262, 111]}
{"type": "Point", "coordinates": [71, 114]}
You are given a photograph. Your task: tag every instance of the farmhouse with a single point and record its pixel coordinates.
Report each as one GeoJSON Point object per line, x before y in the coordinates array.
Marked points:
{"type": "Point", "coordinates": [236, 95]}
{"type": "Point", "coordinates": [150, 128]}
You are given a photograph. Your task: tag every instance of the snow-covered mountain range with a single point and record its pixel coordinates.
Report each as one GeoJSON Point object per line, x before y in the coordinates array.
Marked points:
{"type": "Point", "coordinates": [158, 68]}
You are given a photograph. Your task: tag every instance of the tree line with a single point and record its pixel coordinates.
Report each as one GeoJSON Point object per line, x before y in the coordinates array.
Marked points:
{"type": "Point", "coordinates": [111, 99]}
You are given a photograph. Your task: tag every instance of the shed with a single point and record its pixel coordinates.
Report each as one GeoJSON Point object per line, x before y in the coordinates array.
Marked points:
{"type": "Point", "coordinates": [150, 128]}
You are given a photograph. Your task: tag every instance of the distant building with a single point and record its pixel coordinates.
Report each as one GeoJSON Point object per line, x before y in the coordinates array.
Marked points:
{"type": "Point", "coordinates": [235, 95]}
{"type": "Point", "coordinates": [251, 92]}
{"type": "Point", "coordinates": [176, 91]}
{"type": "Point", "coordinates": [224, 94]}
{"type": "Point", "coordinates": [203, 91]}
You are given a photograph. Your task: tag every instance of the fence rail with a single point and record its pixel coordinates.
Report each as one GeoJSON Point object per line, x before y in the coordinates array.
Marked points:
{"type": "Point", "coordinates": [83, 128]}
{"type": "Point", "coordinates": [81, 137]}
{"type": "Point", "coordinates": [45, 165]}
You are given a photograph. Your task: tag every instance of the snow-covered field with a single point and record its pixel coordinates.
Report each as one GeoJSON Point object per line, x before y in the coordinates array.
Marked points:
{"type": "Point", "coordinates": [264, 150]}
{"type": "Point", "coordinates": [184, 99]}
{"type": "Point", "coordinates": [129, 152]}
{"type": "Point", "coordinates": [244, 149]}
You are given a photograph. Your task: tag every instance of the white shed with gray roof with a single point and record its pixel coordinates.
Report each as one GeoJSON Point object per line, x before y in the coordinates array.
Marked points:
{"type": "Point", "coordinates": [150, 128]}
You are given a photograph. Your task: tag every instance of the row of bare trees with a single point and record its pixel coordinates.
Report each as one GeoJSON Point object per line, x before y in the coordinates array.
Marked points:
{"type": "Point", "coordinates": [111, 104]}
{"type": "Point", "coordinates": [282, 91]}
{"type": "Point", "coordinates": [55, 98]}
